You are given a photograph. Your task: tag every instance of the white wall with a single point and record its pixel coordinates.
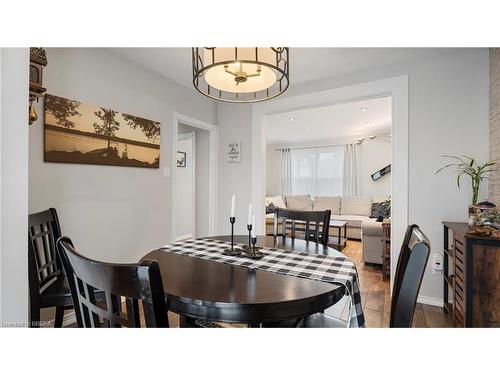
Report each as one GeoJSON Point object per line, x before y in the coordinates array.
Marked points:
{"type": "Point", "coordinates": [184, 188]}
{"type": "Point", "coordinates": [448, 114]}
{"type": "Point", "coordinates": [372, 156]}
{"type": "Point", "coordinates": [13, 185]}
{"type": "Point", "coordinates": [112, 213]}
{"type": "Point", "coordinates": [235, 124]}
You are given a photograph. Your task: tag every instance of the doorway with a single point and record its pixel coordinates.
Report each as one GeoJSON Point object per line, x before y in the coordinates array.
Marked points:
{"type": "Point", "coordinates": [194, 178]}
{"type": "Point", "coordinates": [185, 182]}
{"type": "Point", "coordinates": [397, 89]}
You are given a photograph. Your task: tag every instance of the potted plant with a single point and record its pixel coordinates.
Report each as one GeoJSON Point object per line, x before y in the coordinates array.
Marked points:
{"type": "Point", "coordinates": [466, 165]}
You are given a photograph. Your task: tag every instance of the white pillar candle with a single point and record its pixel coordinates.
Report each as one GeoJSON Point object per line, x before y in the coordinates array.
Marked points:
{"type": "Point", "coordinates": [233, 206]}
{"type": "Point", "coordinates": [250, 214]}
{"type": "Point", "coordinates": [253, 227]}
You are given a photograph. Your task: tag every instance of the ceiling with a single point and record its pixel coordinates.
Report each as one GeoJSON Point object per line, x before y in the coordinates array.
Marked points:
{"type": "Point", "coordinates": [345, 120]}
{"type": "Point", "coordinates": [306, 64]}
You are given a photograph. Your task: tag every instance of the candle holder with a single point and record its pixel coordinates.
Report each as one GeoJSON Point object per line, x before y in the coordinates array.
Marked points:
{"type": "Point", "coordinates": [249, 227]}
{"type": "Point", "coordinates": [252, 251]}
{"type": "Point", "coordinates": [232, 250]}
{"type": "Point", "coordinates": [254, 241]}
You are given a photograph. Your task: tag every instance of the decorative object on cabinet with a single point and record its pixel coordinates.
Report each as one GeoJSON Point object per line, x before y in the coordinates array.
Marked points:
{"type": "Point", "coordinates": [471, 281]}
{"type": "Point", "coordinates": [38, 61]}
{"type": "Point", "coordinates": [77, 132]}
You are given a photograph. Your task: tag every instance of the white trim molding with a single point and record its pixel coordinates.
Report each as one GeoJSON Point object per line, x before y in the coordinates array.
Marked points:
{"type": "Point", "coordinates": [212, 184]}
{"type": "Point", "coordinates": [397, 88]}
{"type": "Point", "coordinates": [430, 301]}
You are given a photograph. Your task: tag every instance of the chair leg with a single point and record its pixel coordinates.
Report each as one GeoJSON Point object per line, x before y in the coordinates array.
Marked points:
{"type": "Point", "coordinates": [59, 317]}
{"type": "Point", "coordinates": [34, 315]}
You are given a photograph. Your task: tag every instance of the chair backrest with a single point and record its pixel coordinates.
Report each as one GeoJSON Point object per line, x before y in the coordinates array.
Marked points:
{"type": "Point", "coordinates": [314, 224]}
{"type": "Point", "coordinates": [408, 278]}
{"type": "Point", "coordinates": [99, 290]}
{"type": "Point", "coordinates": [43, 262]}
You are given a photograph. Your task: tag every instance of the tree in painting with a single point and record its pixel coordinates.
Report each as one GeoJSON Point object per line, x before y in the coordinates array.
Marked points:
{"type": "Point", "coordinates": [151, 129]}
{"type": "Point", "coordinates": [109, 125]}
{"type": "Point", "coordinates": [62, 109]}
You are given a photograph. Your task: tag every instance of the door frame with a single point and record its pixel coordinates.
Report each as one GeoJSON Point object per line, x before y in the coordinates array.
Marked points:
{"type": "Point", "coordinates": [192, 137]}
{"type": "Point", "coordinates": [212, 180]}
{"type": "Point", "coordinates": [397, 88]}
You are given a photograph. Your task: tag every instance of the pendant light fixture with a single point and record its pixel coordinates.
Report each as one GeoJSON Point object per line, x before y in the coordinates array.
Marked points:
{"type": "Point", "coordinates": [241, 74]}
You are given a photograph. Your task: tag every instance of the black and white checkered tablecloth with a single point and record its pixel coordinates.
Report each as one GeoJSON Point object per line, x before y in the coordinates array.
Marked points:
{"type": "Point", "coordinates": [335, 270]}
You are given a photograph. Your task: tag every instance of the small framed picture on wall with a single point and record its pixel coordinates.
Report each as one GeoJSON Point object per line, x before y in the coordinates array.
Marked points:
{"type": "Point", "coordinates": [181, 159]}
{"type": "Point", "coordinates": [234, 152]}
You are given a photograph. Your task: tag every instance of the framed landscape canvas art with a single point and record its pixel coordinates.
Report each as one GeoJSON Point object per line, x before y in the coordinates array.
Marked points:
{"type": "Point", "coordinates": [77, 132]}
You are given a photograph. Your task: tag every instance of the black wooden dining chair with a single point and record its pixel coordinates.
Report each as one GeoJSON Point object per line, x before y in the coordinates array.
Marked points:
{"type": "Point", "coordinates": [136, 284]}
{"type": "Point", "coordinates": [408, 278]}
{"type": "Point", "coordinates": [48, 286]}
{"type": "Point", "coordinates": [313, 224]}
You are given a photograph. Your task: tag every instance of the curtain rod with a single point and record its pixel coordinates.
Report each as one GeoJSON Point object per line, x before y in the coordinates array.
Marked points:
{"type": "Point", "coordinates": [383, 138]}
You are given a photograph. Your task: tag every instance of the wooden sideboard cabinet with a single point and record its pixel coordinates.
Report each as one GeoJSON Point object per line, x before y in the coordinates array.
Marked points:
{"type": "Point", "coordinates": [471, 270]}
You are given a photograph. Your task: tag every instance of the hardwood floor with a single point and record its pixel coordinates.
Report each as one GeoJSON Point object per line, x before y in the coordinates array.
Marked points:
{"type": "Point", "coordinates": [375, 296]}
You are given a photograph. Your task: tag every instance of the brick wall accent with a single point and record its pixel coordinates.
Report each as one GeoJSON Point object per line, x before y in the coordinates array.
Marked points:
{"type": "Point", "coordinates": [495, 123]}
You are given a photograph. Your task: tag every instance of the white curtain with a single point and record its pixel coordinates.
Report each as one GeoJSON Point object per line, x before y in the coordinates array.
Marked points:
{"type": "Point", "coordinates": [351, 175]}
{"type": "Point", "coordinates": [286, 172]}
{"type": "Point", "coordinates": [317, 171]}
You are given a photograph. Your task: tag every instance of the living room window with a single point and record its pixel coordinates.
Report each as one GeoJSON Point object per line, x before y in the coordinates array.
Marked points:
{"type": "Point", "coordinates": [317, 171]}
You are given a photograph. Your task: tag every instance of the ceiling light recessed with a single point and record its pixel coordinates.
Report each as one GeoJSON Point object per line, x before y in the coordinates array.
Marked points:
{"type": "Point", "coordinates": [364, 109]}
{"type": "Point", "coordinates": [367, 123]}
{"type": "Point", "coordinates": [292, 118]}
{"type": "Point", "coordinates": [308, 130]}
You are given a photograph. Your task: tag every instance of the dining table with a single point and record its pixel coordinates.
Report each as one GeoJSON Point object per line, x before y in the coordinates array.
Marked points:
{"type": "Point", "coordinates": [202, 289]}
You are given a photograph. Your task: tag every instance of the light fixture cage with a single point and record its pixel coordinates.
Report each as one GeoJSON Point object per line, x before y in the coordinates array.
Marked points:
{"type": "Point", "coordinates": [207, 58]}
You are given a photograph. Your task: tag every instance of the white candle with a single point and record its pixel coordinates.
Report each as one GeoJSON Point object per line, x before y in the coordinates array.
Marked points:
{"type": "Point", "coordinates": [253, 226]}
{"type": "Point", "coordinates": [250, 214]}
{"type": "Point", "coordinates": [233, 206]}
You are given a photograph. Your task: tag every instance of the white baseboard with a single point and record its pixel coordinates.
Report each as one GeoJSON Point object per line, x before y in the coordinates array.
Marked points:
{"type": "Point", "coordinates": [184, 237]}
{"type": "Point", "coordinates": [430, 301]}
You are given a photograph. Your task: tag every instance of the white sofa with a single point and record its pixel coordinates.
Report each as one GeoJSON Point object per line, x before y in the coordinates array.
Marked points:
{"type": "Point", "coordinates": [354, 210]}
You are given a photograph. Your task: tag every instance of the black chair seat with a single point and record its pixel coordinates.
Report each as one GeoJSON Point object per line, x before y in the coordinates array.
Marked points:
{"type": "Point", "coordinates": [56, 294]}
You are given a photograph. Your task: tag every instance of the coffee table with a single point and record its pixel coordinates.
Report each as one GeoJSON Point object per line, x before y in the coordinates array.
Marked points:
{"type": "Point", "coordinates": [339, 241]}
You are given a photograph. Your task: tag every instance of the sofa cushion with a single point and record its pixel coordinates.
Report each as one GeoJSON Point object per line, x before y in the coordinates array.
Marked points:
{"type": "Point", "coordinates": [299, 202]}
{"type": "Point", "coordinates": [277, 201]}
{"type": "Point", "coordinates": [352, 220]}
{"type": "Point", "coordinates": [327, 203]}
{"type": "Point", "coordinates": [356, 206]}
